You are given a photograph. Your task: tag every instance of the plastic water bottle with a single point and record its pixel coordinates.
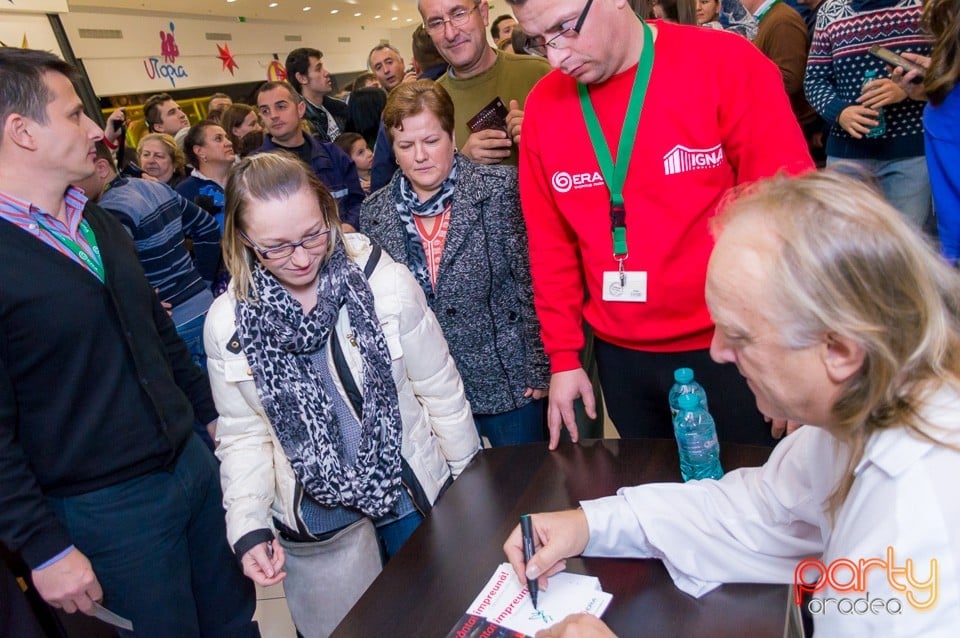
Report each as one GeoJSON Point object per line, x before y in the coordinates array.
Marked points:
{"type": "Point", "coordinates": [696, 440]}
{"type": "Point", "coordinates": [881, 128]}
{"type": "Point", "coordinates": [684, 383]}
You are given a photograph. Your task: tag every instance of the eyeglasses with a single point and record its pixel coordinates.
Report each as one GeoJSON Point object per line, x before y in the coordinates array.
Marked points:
{"type": "Point", "coordinates": [456, 19]}
{"type": "Point", "coordinates": [283, 251]}
{"type": "Point", "coordinates": [537, 45]}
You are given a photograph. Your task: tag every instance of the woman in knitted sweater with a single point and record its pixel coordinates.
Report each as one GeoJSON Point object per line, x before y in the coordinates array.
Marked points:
{"type": "Point", "coordinates": [834, 85]}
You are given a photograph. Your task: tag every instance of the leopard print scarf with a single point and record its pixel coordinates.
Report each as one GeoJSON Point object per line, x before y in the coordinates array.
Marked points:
{"type": "Point", "coordinates": [276, 334]}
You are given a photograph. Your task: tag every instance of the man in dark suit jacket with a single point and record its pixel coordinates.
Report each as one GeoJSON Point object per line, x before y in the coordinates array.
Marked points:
{"type": "Point", "coordinates": [105, 491]}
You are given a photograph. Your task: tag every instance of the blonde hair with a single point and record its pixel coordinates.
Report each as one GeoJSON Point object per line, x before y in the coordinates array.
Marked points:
{"type": "Point", "coordinates": [849, 264]}
{"type": "Point", "coordinates": [267, 176]}
{"type": "Point", "coordinates": [170, 145]}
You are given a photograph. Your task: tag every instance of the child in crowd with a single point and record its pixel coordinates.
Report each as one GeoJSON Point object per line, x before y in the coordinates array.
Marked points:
{"type": "Point", "coordinates": [356, 147]}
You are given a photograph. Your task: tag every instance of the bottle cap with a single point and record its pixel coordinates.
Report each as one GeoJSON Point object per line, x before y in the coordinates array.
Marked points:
{"type": "Point", "coordinates": [689, 401]}
{"type": "Point", "coordinates": [683, 375]}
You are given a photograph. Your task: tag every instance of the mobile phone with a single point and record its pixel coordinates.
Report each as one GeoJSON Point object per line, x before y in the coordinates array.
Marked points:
{"type": "Point", "coordinates": [116, 124]}
{"type": "Point", "coordinates": [894, 59]}
{"type": "Point", "coordinates": [492, 116]}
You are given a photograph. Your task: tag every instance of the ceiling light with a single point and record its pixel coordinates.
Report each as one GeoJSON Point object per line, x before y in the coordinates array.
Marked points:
{"type": "Point", "coordinates": [394, 19]}
{"type": "Point", "coordinates": [334, 11]}
{"type": "Point", "coordinates": [409, 19]}
{"type": "Point", "coordinates": [307, 8]}
{"type": "Point", "coordinates": [376, 17]}
{"type": "Point", "coordinates": [273, 4]}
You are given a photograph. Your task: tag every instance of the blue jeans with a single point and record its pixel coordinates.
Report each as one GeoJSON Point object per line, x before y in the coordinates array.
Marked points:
{"type": "Point", "coordinates": [522, 425]}
{"type": "Point", "coordinates": [192, 334]}
{"type": "Point", "coordinates": [393, 535]}
{"type": "Point", "coordinates": [159, 548]}
{"type": "Point", "coordinates": [905, 183]}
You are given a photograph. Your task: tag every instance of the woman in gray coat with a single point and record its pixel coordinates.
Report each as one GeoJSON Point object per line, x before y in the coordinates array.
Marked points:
{"type": "Point", "coordinates": [458, 227]}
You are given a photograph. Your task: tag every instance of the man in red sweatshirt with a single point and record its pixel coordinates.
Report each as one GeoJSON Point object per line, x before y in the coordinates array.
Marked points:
{"type": "Point", "coordinates": [623, 241]}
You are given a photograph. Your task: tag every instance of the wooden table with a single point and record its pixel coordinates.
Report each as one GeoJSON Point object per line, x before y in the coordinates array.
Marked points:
{"type": "Point", "coordinates": [428, 585]}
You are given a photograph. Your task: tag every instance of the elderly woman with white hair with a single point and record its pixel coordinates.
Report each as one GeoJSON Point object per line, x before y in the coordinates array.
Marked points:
{"type": "Point", "coordinates": [840, 316]}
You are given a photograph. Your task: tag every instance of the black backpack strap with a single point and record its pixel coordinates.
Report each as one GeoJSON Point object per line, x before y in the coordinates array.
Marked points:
{"type": "Point", "coordinates": [339, 360]}
{"type": "Point", "coordinates": [346, 377]}
{"type": "Point", "coordinates": [372, 261]}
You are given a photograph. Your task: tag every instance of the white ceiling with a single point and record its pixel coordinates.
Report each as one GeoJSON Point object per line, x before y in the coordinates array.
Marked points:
{"type": "Point", "coordinates": [373, 13]}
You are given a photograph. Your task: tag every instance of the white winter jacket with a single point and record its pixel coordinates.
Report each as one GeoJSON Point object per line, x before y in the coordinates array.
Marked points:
{"type": "Point", "coordinates": [439, 436]}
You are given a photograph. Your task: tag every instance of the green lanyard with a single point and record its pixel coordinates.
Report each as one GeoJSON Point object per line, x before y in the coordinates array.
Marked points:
{"type": "Point", "coordinates": [615, 174]}
{"type": "Point", "coordinates": [91, 260]}
{"type": "Point", "coordinates": [760, 16]}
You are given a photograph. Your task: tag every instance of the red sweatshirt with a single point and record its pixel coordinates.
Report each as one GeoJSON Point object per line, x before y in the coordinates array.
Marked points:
{"type": "Point", "coordinates": [715, 115]}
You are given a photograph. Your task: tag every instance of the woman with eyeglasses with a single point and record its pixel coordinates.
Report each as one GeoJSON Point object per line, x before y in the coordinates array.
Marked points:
{"type": "Point", "coordinates": [342, 415]}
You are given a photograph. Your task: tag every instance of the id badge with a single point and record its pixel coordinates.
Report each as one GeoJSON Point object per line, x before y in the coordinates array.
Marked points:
{"type": "Point", "coordinates": [634, 288]}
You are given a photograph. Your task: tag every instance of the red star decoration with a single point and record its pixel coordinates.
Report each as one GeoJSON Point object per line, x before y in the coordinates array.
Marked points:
{"type": "Point", "coordinates": [226, 57]}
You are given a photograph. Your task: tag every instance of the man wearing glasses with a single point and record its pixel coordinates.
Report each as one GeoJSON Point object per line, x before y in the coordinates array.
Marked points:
{"type": "Point", "coordinates": [621, 168]}
{"type": "Point", "coordinates": [478, 74]}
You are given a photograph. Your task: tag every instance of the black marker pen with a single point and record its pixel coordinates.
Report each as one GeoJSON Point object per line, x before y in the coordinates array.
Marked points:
{"type": "Point", "coordinates": [526, 529]}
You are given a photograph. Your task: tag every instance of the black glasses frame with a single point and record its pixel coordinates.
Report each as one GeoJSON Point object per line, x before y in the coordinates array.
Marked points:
{"type": "Point", "coordinates": [284, 250]}
{"type": "Point", "coordinates": [540, 48]}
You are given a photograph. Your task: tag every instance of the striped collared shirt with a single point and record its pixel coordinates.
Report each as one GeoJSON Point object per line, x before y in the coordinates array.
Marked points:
{"type": "Point", "coordinates": [39, 223]}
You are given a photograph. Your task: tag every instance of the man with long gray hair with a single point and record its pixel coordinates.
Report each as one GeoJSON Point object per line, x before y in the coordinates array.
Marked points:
{"type": "Point", "coordinates": [841, 316]}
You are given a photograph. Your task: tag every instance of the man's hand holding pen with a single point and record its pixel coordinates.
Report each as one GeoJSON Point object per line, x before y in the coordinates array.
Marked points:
{"type": "Point", "coordinates": [559, 536]}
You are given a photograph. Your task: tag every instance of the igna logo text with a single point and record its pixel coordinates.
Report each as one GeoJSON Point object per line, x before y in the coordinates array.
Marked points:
{"type": "Point", "coordinates": [845, 575]}
{"type": "Point", "coordinates": [681, 159]}
{"type": "Point", "coordinates": [563, 181]}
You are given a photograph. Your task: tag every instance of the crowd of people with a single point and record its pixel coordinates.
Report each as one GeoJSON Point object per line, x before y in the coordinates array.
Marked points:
{"type": "Point", "coordinates": [294, 323]}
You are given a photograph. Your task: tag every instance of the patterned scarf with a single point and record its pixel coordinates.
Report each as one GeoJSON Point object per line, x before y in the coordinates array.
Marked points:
{"type": "Point", "coordinates": [408, 205]}
{"type": "Point", "coordinates": [276, 334]}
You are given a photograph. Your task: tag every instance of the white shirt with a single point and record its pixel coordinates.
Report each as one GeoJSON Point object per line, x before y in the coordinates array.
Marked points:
{"type": "Point", "coordinates": [756, 524]}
